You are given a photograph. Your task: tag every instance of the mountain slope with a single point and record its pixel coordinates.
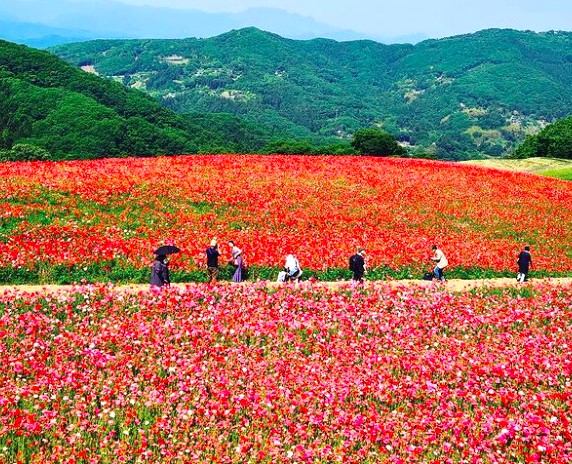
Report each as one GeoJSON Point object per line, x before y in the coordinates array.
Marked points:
{"type": "Point", "coordinates": [457, 97]}
{"type": "Point", "coordinates": [47, 103]}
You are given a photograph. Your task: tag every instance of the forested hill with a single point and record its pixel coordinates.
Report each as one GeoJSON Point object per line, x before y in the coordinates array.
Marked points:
{"type": "Point", "coordinates": [50, 109]}
{"type": "Point", "coordinates": [457, 97]}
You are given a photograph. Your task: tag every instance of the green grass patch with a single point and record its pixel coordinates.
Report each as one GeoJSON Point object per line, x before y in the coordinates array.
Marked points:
{"type": "Point", "coordinates": [564, 173]}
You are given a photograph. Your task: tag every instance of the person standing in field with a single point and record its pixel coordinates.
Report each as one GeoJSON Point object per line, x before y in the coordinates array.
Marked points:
{"type": "Point", "coordinates": [212, 262]}
{"type": "Point", "coordinates": [524, 263]}
{"type": "Point", "coordinates": [440, 263]}
{"type": "Point", "coordinates": [236, 261]}
{"type": "Point", "coordinates": [160, 272]}
{"type": "Point", "coordinates": [357, 266]}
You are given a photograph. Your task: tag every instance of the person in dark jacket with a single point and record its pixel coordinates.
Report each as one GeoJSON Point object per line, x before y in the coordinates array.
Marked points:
{"type": "Point", "coordinates": [212, 262]}
{"type": "Point", "coordinates": [524, 263]}
{"type": "Point", "coordinates": [160, 272]}
{"type": "Point", "coordinates": [357, 266]}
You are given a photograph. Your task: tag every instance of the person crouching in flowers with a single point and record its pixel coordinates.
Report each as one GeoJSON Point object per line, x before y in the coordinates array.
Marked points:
{"type": "Point", "coordinates": [440, 263]}
{"type": "Point", "coordinates": [236, 261]}
{"type": "Point", "coordinates": [292, 268]}
{"type": "Point", "coordinates": [160, 272]}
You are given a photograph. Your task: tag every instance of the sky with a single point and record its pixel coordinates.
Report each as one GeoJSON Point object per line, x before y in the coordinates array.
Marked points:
{"type": "Point", "coordinates": [435, 18]}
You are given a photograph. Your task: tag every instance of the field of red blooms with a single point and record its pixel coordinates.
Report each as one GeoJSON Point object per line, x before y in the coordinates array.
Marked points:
{"type": "Point", "coordinates": [250, 374]}
{"type": "Point", "coordinates": [102, 216]}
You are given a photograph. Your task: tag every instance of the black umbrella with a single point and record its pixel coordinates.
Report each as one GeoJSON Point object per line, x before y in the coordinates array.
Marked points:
{"type": "Point", "coordinates": [166, 250]}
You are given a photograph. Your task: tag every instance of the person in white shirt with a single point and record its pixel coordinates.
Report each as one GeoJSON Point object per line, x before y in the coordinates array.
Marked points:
{"type": "Point", "coordinates": [441, 263]}
{"type": "Point", "coordinates": [292, 268]}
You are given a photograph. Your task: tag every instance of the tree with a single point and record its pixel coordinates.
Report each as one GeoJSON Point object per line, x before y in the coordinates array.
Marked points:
{"type": "Point", "coordinates": [377, 143]}
{"type": "Point", "coordinates": [289, 147]}
{"type": "Point", "coordinates": [25, 152]}
{"type": "Point", "coordinates": [554, 141]}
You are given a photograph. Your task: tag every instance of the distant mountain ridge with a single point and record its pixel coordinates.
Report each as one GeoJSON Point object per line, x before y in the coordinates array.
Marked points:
{"type": "Point", "coordinates": [109, 19]}
{"type": "Point", "coordinates": [40, 35]}
{"type": "Point", "coordinates": [457, 98]}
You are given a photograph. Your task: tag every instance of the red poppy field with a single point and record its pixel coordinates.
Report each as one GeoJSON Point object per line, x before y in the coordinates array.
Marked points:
{"type": "Point", "coordinates": [100, 220]}
{"type": "Point", "coordinates": [235, 374]}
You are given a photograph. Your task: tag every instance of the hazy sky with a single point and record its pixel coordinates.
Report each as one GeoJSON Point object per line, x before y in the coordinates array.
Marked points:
{"type": "Point", "coordinates": [436, 18]}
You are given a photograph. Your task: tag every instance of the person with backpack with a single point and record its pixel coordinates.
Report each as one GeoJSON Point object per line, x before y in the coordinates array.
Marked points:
{"type": "Point", "coordinates": [212, 261]}
{"type": "Point", "coordinates": [524, 263]}
{"type": "Point", "coordinates": [357, 266]}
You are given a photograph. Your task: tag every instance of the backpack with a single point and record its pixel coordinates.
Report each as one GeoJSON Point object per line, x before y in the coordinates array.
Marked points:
{"type": "Point", "coordinates": [352, 263]}
{"type": "Point", "coordinates": [428, 276]}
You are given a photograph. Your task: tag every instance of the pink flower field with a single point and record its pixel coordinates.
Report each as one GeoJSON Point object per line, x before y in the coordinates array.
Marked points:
{"type": "Point", "coordinates": [237, 374]}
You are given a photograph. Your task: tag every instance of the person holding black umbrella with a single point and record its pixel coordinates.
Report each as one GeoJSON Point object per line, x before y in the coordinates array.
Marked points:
{"type": "Point", "coordinates": [160, 269]}
{"type": "Point", "coordinates": [160, 272]}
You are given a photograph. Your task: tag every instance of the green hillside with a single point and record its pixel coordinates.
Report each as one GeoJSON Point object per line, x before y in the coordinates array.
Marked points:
{"type": "Point", "coordinates": [49, 109]}
{"type": "Point", "coordinates": [460, 97]}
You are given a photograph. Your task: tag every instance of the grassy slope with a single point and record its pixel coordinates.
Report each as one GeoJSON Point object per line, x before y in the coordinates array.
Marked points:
{"type": "Point", "coordinates": [549, 167]}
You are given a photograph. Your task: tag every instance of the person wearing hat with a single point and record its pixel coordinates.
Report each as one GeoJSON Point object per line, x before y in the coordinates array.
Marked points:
{"type": "Point", "coordinates": [212, 262]}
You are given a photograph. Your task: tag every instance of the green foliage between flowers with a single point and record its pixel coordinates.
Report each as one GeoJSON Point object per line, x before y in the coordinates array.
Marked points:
{"type": "Point", "coordinates": [121, 273]}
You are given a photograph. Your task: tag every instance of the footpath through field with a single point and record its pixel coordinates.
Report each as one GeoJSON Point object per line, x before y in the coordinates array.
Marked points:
{"type": "Point", "coordinates": [453, 285]}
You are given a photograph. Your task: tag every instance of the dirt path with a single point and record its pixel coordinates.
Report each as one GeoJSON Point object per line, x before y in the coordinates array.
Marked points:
{"type": "Point", "coordinates": [453, 285]}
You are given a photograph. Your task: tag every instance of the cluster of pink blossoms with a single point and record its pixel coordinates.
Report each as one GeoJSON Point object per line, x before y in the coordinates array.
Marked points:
{"type": "Point", "coordinates": [236, 374]}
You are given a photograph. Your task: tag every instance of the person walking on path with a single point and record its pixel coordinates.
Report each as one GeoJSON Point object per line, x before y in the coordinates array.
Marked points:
{"type": "Point", "coordinates": [160, 272]}
{"type": "Point", "coordinates": [440, 263]}
{"type": "Point", "coordinates": [524, 263]}
{"type": "Point", "coordinates": [212, 262]}
{"type": "Point", "coordinates": [357, 266]}
{"type": "Point", "coordinates": [236, 261]}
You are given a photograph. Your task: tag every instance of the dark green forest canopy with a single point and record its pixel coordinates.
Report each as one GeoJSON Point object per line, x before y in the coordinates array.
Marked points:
{"type": "Point", "coordinates": [459, 97]}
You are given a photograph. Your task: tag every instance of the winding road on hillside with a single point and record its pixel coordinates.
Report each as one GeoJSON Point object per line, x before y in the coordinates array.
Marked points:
{"type": "Point", "coordinates": [453, 285]}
